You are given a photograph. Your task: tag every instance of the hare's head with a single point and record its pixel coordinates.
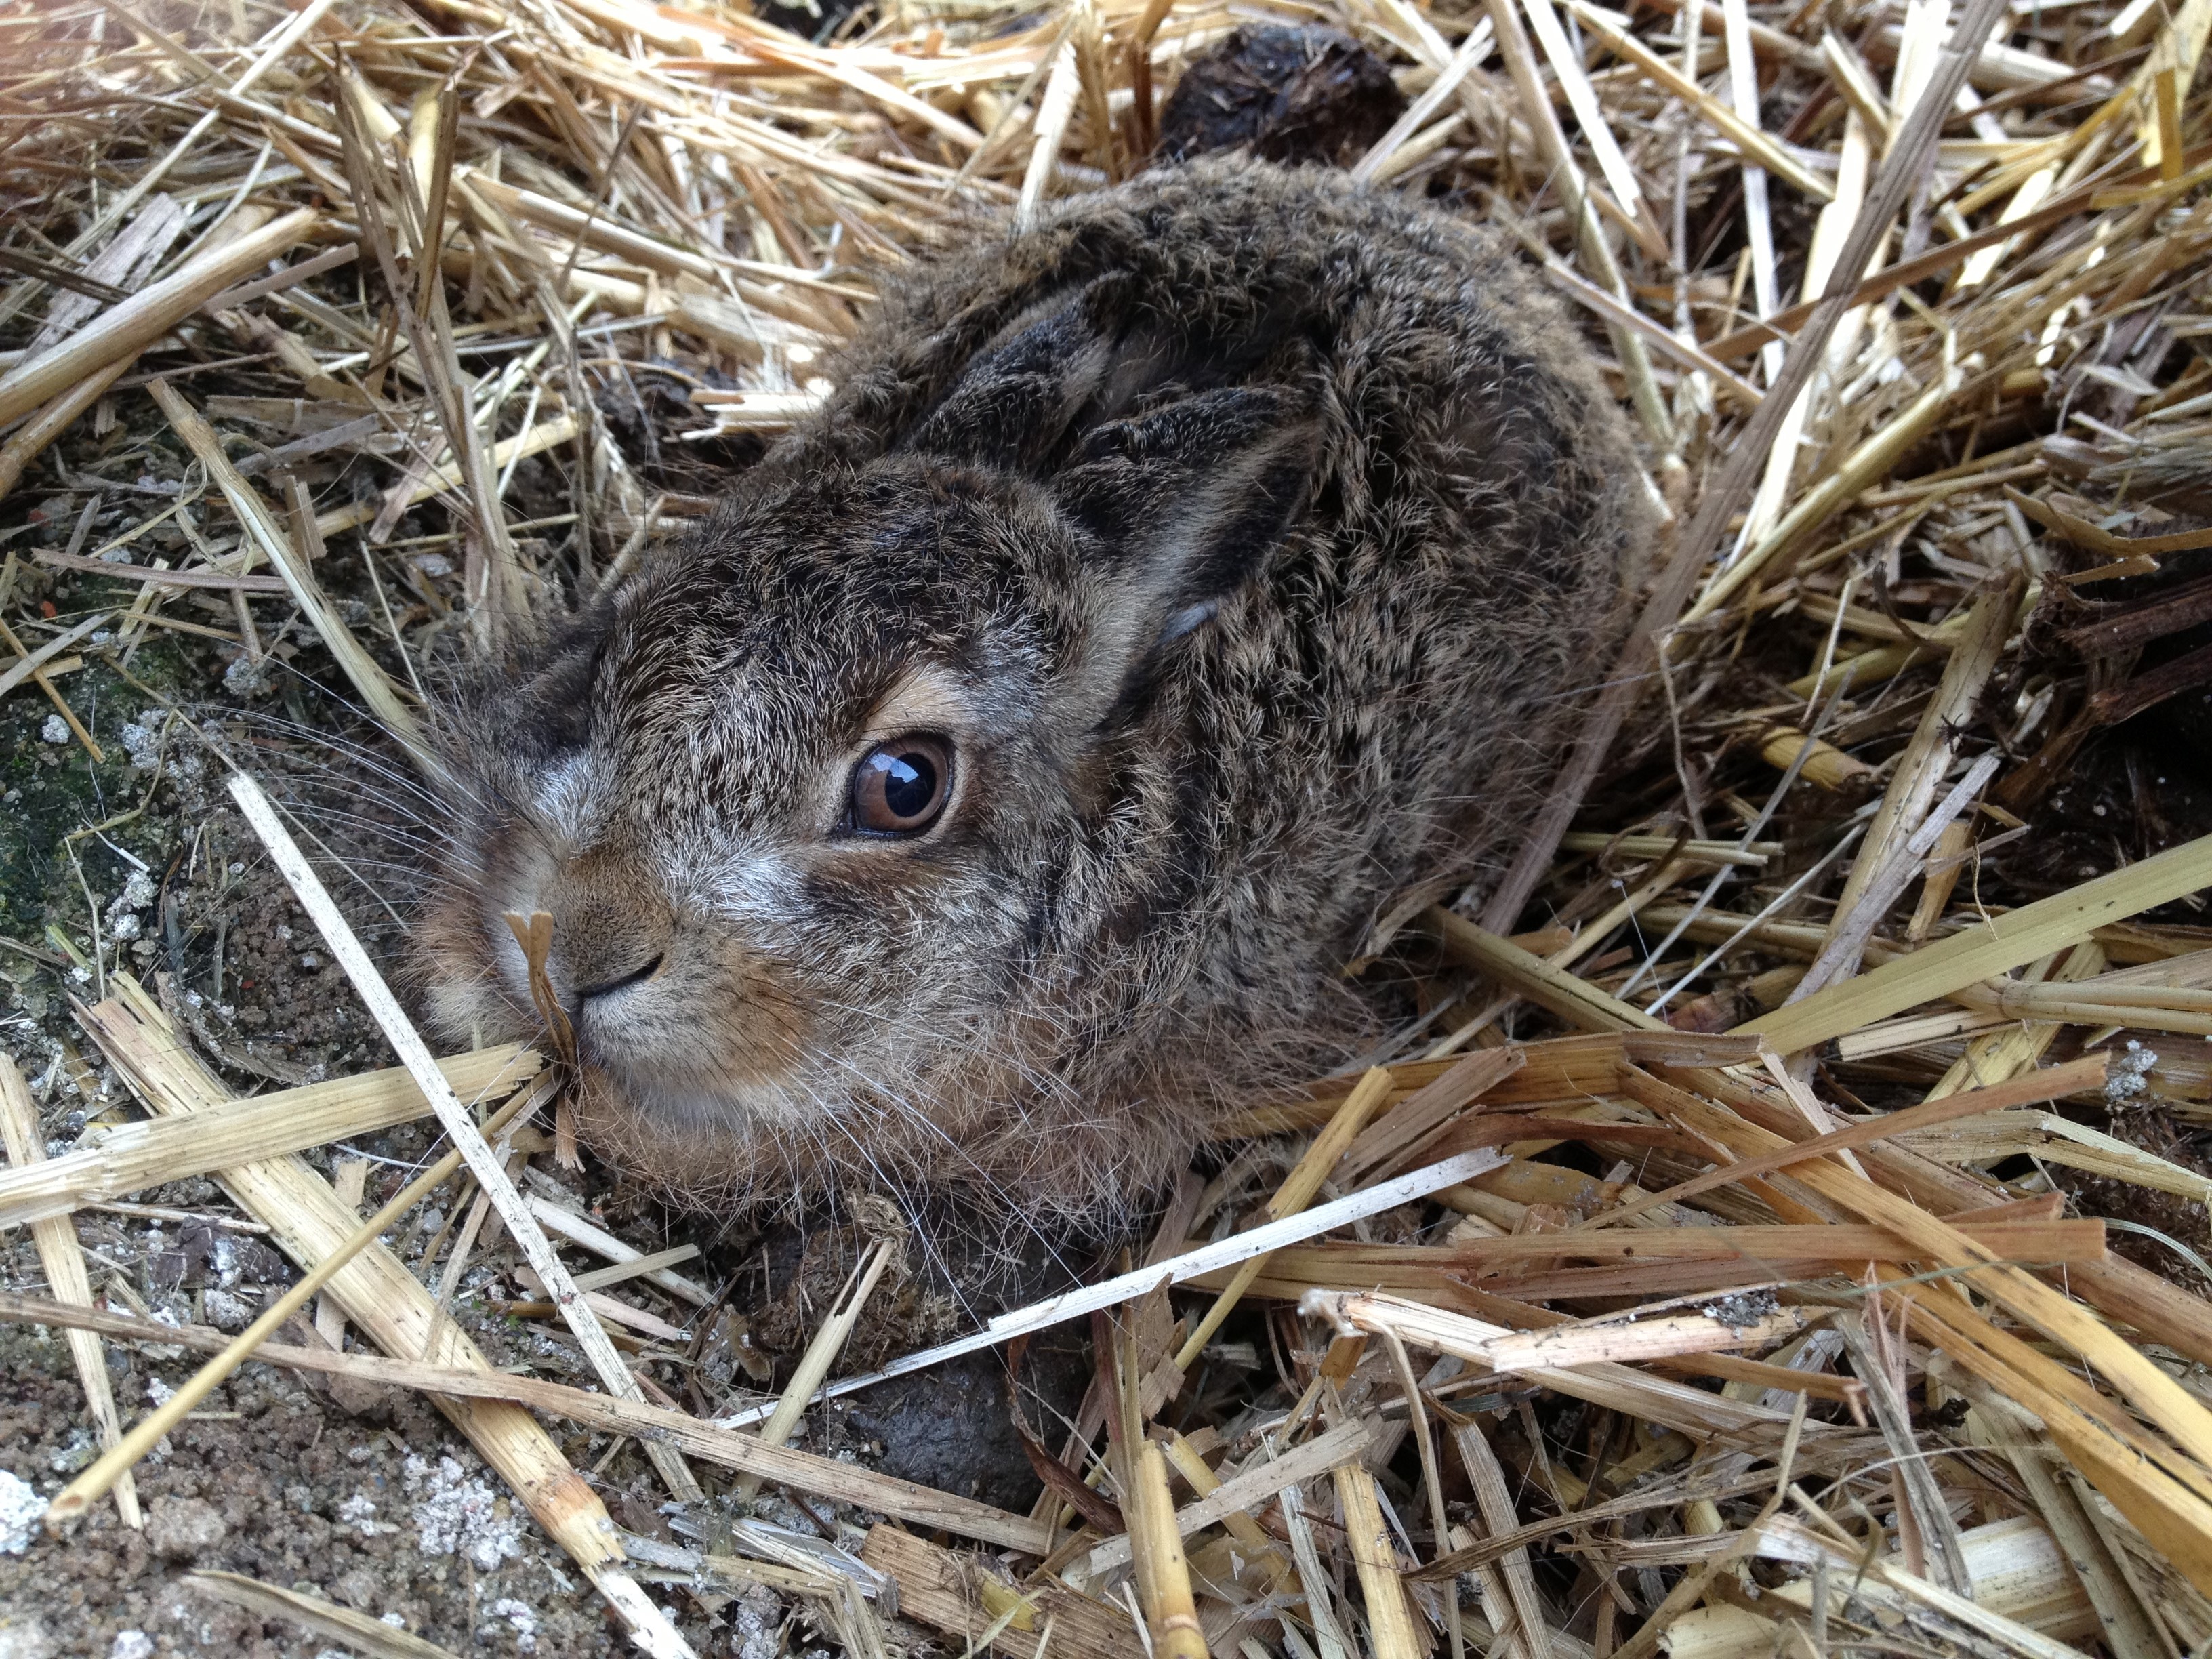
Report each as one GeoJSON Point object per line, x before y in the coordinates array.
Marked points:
{"type": "Point", "coordinates": [825, 804]}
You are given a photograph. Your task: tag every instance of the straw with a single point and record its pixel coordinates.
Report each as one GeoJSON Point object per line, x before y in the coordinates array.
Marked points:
{"type": "Point", "coordinates": [132, 1155]}
{"type": "Point", "coordinates": [138, 321]}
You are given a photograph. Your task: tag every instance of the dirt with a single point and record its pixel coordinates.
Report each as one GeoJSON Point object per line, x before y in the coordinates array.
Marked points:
{"type": "Point", "coordinates": [389, 1517]}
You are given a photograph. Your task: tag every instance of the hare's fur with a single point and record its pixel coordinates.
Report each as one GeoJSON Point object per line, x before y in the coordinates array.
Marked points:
{"type": "Point", "coordinates": [1253, 537]}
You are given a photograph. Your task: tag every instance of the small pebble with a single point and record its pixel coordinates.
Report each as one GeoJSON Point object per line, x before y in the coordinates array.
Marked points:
{"type": "Point", "coordinates": [179, 1528]}
{"type": "Point", "coordinates": [20, 1510]}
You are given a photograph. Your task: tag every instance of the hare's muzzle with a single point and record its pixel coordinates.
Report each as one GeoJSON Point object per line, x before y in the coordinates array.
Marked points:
{"type": "Point", "coordinates": [612, 932]}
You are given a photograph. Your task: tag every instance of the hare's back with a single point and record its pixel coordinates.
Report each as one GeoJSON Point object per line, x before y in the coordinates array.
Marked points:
{"type": "Point", "coordinates": [1425, 330]}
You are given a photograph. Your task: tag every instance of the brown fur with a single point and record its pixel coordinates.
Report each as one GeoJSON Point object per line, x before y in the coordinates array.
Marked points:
{"type": "Point", "coordinates": [1252, 535]}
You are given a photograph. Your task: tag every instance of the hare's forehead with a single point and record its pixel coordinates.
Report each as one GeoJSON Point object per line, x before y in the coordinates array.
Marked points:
{"type": "Point", "coordinates": [696, 838]}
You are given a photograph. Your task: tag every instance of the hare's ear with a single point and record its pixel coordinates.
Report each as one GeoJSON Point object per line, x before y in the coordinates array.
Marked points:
{"type": "Point", "coordinates": [1182, 504]}
{"type": "Point", "coordinates": [1022, 397]}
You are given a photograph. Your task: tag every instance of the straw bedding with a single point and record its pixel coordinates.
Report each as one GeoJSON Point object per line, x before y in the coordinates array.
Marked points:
{"type": "Point", "coordinates": [1782, 1227]}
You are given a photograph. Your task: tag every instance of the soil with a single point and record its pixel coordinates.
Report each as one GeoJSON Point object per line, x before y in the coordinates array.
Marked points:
{"type": "Point", "coordinates": [384, 1512]}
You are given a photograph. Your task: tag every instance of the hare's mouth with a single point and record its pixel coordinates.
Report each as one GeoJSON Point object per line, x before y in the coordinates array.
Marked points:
{"type": "Point", "coordinates": [704, 1149]}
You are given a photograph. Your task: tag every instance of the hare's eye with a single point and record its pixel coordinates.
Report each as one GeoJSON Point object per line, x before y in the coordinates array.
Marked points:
{"type": "Point", "coordinates": [899, 788]}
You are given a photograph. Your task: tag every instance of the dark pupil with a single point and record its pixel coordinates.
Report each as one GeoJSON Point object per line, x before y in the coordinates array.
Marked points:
{"type": "Point", "coordinates": [909, 784]}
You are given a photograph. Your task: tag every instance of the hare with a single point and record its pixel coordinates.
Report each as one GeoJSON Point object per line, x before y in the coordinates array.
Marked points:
{"type": "Point", "coordinates": [990, 798]}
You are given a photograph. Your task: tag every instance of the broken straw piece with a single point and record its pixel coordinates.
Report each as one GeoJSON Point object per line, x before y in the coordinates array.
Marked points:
{"type": "Point", "coordinates": [131, 1157]}
{"type": "Point", "coordinates": [1127, 1287]}
{"type": "Point", "coordinates": [61, 1257]}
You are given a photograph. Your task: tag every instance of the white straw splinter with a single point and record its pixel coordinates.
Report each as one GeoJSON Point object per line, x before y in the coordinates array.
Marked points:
{"type": "Point", "coordinates": [1208, 1258]}
{"type": "Point", "coordinates": [647, 1620]}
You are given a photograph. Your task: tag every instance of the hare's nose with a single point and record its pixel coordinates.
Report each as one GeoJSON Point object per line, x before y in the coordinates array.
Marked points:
{"type": "Point", "coordinates": [611, 929]}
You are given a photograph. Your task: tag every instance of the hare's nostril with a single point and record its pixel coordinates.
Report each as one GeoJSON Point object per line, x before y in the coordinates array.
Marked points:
{"type": "Point", "coordinates": [636, 976]}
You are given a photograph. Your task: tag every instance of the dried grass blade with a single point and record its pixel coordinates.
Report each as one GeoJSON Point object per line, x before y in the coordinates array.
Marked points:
{"type": "Point", "coordinates": [1725, 493]}
{"type": "Point", "coordinates": [1754, 143]}
{"type": "Point", "coordinates": [1296, 1192]}
{"type": "Point", "coordinates": [1995, 947]}
{"type": "Point", "coordinates": [2087, 1072]}
{"type": "Point", "coordinates": [1170, 1612]}
{"type": "Point", "coordinates": [1871, 461]}
{"type": "Point", "coordinates": [70, 1504]}
{"type": "Point", "coordinates": [28, 441]}
{"type": "Point", "coordinates": [1583, 1005]}
{"type": "Point", "coordinates": [1229, 1253]}
{"type": "Point", "coordinates": [446, 475]}
{"type": "Point", "coordinates": [1054, 110]}
{"type": "Point", "coordinates": [1248, 1489]}
{"type": "Point", "coordinates": [1602, 1383]}
{"type": "Point", "coordinates": [1574, 190]}
{"type": "Point", "coordinates": [1664, 341]}
{"type": "Point", "coordinates": [357, 1630]}
{"type": "Point", "coordinates": [2126, 1620]}
{"type": "Point", "coordinates": [2151, 1391]}
{"type": "Point", "coordinates": [827, 1342]}
{"type": "Point", "coordinates": [263, 531]}
{"type": "Point", "coordinates": [1389, 1616]}
{"type": "Point", "coordinates": [24, 668]}
{"type": "Point", "coordinates": [1499, 1518]}
{"type": "Point", "coordinates": [578, 1230]}
{"type": "Point", "coordinates": [134, 1155]}
{"type": "Point", "coordinates": [1926, 761]}
{"type": "Point", "coordinates": [1589, 115]}
{"type": "Point", "coordinates": [1402, 1127]}
{"type": "Point", "coordinates": [1925, 1530]}
{"type": "Point", "coordinates": [1375, 164]}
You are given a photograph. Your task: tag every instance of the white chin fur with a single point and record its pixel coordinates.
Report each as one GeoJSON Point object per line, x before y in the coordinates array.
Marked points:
{"type": "Point", "coordinates": [729, 1109]}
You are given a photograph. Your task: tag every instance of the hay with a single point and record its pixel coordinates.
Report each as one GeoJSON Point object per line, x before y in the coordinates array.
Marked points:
{"type": "Point", "coordinates": [1738, 1131]}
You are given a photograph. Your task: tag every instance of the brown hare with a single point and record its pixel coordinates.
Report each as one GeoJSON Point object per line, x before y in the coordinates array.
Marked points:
{"type": "Point", "coordinates": [988, 800]}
